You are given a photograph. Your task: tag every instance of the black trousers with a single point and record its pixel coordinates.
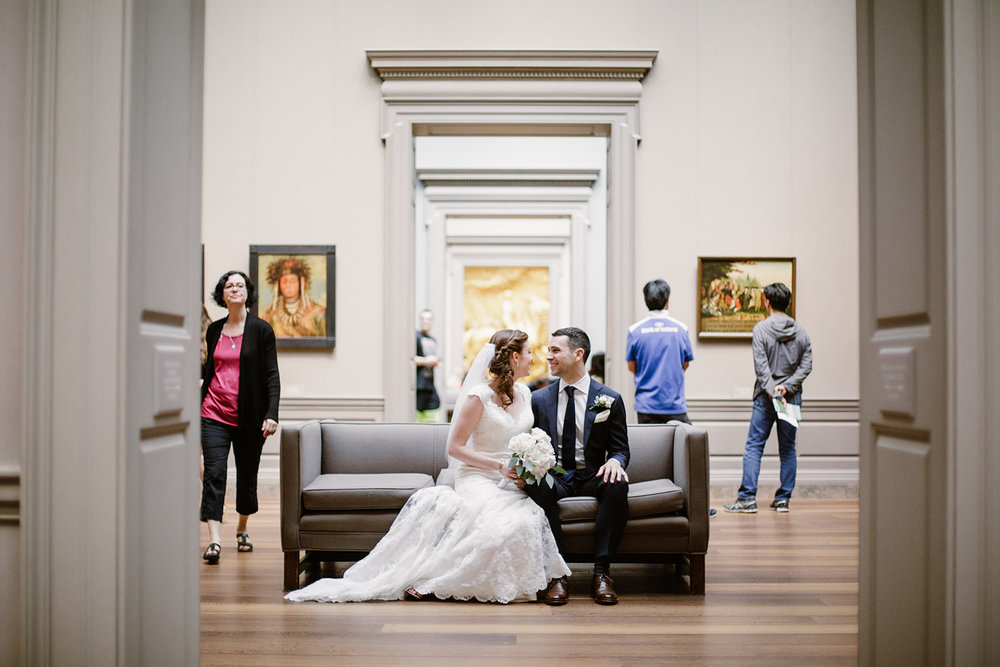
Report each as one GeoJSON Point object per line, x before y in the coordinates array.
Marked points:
{"type": "Point", "coordinates": [652, 418]}
{"type": "Point", "coordinates": [247, 444]}
{"type": "Point", "coordinates": [612, 510]}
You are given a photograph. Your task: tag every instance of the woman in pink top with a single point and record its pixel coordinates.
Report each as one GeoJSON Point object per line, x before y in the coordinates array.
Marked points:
{"type": "Point", "coordinates": [239, 406]}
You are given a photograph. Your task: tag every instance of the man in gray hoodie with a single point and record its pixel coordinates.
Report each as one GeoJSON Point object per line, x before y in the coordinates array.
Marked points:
{"type": "Point", "coordinates": [782, 358]}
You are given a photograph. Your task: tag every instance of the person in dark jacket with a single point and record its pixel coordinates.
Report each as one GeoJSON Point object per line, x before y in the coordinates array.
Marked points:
{"type": "Point", "coordinates": [782, 359]}
{"type": "Point", "coordinates": [428, 401]}
{"type": "Point", "coordinates": [239, 406]}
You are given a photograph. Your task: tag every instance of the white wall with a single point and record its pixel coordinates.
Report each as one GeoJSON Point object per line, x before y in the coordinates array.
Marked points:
{"type": "Point", "coordinates": [748, 122]}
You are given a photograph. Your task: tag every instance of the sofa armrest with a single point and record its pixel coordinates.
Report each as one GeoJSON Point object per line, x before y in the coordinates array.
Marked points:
{"type": "Point", "coordinates": [300, 464]}
{"type": "Point", "coordinates": [691, 474]}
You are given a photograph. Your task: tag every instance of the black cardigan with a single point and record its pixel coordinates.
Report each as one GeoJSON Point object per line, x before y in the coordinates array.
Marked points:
{"type": "Point", "coordinates": [260, 386]}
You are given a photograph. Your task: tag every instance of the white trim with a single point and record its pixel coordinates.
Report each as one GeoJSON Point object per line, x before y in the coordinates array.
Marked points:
{"type": "Point", "coordinates": [972, 314]}
{"type": "Point", "coordinates": [811, 471]}
{"type": "Point", "coordinates": [739, 409]}
{"type": "Point", "coordinates": [37, 506]}
{"type": "Point", "coordinates": [295, 410]}
{"type": "Point", "coordinates": [583, 178]}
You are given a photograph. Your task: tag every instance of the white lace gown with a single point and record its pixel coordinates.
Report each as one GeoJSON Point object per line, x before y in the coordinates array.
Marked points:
{"type": "Point", "coordinates": [478, 541]}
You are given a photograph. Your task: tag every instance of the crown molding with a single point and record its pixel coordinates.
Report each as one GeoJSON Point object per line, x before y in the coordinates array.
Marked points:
{"type": "Point", "coordinates": [509, 177]}
{"type": "Point", "coordinates": [520, 65]}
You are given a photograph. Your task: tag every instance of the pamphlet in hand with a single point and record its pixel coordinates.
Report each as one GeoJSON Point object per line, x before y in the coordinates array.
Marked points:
{"type": "Point", "coordinates": [788, 412]}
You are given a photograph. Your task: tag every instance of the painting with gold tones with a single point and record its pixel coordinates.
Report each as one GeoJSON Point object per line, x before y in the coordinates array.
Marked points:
{"type": "Point", "coordinates": [507, 297]}
{"type": "Point", "coordinates": [731, 293]}
{"type": "Point", "coordinates": [295, 286]}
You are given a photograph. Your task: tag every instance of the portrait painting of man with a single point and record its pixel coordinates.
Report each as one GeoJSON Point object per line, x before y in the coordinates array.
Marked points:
{"type": "Point", "coordinates": [294, 291]}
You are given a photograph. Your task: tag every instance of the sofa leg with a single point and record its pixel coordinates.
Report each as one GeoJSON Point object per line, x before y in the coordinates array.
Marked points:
{"type": "Point", "coordinates": [697, 573]}
{"type": "Point", "coordinates": [291, 570]}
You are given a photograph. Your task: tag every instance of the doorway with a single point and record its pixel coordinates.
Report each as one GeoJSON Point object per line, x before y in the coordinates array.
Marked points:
{"type": "Point", "coordinates": [510, 232]}
{"type": "Point", "coordinates": [504, 94]}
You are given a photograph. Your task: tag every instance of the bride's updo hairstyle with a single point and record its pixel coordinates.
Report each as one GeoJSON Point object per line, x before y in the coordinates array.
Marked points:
{"type": "Point", "coordinates": [506, 341]}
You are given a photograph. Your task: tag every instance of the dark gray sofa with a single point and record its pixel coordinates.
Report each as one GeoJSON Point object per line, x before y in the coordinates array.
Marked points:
{"type": "Point", "coordinates": [343, 483]}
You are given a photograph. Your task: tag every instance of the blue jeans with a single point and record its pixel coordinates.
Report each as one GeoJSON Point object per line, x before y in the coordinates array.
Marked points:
{"type": "Point", "coordinates": [761, 420]}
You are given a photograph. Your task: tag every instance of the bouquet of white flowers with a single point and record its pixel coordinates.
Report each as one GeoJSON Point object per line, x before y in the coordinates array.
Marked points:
{"type": "Point", "coordinates": [532, 457]}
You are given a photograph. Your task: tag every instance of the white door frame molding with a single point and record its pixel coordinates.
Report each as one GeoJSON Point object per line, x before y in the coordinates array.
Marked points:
{"type": "Point", "coordinates": [531, 200]}
{"type": "Point", "coordinates": [111, 329]}
{"type": "Point", "coordinates": [575, 93]}
{"type": "Point", "coordinates": [929, 542]}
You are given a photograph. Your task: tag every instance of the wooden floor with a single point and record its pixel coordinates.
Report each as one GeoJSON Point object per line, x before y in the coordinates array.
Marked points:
{"type": "Point", "coordinates": [780, 589]}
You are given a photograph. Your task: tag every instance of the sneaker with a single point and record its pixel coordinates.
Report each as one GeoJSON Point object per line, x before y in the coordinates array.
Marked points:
{"type": "Point", "coordinates": [742, 506]}
{"type": "Point", "coordinates": [780, 505]}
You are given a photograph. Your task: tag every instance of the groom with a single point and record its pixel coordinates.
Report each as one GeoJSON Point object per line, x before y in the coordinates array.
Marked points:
{"type": "Point", "coordinates": [586, 422]}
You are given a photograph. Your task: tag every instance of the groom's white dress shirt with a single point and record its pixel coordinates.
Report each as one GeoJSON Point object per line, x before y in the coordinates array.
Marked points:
{"type": "Point", "coordinates": [582, 387]}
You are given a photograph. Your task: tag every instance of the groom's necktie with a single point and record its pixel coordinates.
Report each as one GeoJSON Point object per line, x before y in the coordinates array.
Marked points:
{"type": "Point", "coordinates": [569, 432]}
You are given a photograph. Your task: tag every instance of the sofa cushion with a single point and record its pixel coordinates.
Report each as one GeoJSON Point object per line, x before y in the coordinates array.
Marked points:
{"type": "Point", "coordinates": [360, 448]}
{"type": "Point", "coordinates": [657, 496]}
{"type": "Point", "coordinates": [372, 491]}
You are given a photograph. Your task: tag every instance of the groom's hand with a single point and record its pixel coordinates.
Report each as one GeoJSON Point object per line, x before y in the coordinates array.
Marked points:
{"type": "Point", "coordinates": [612, 472]}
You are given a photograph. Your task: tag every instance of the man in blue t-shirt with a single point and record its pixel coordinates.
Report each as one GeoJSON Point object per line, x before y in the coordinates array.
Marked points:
{"type": "Point", "coordinates": [659, 351]}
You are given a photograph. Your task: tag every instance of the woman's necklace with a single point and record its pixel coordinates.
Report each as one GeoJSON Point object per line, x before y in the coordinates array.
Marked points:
{"type": "Point", "coordinates": [231, 341]}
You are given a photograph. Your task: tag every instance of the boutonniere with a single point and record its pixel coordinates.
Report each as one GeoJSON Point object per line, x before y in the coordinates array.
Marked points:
{"type": "Point", "coordinates": [602, 402]}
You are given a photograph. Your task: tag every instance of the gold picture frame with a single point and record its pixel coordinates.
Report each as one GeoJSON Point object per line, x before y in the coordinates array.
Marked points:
{"type": "Point", "coordinates": [731, 293]}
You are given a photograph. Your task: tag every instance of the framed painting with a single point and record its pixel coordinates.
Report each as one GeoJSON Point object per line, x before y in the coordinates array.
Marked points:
{"type": "Point", "coordinates": [731, 293]}
{"type": "Point", "coordinates": [296, 292]}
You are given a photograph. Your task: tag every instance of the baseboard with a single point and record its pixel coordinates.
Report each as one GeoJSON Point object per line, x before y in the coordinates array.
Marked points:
{"type": "Point", "coordinates": [815, 477]}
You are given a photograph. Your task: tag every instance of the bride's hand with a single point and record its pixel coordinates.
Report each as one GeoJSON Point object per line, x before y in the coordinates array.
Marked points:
{"type": "Point", "coordinates": [509, 473]}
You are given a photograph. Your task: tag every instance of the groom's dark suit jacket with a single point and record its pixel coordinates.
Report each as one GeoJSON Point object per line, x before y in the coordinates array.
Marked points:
{"type": "Point", "coordinates": [602, 440]}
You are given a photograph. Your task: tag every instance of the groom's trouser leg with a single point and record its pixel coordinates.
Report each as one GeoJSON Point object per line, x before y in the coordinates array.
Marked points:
{"type": "Point", "coordinates": [548, 499]}
{"type": "Point", "coordinates": [612, 513]}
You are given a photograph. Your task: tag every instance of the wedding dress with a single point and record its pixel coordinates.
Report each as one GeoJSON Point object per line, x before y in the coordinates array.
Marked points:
{"type": "Point", "coordinates": [478, 541]}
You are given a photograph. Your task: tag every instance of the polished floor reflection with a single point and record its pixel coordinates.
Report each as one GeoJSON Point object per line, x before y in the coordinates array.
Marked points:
{"type": "Point", "coordinates": [781, 589]}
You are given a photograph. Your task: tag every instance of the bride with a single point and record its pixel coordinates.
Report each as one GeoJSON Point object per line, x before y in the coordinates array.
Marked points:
{"type": "Point", "coordinates": [479, 541]}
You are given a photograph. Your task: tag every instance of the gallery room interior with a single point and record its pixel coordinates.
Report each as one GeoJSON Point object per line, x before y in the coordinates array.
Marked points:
{"type": "Point", "coordinates": [530, 166]}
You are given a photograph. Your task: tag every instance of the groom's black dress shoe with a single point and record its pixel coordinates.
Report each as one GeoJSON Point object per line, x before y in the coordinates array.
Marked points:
{"type": "Point", "coordinates": [557, 593]}
{"type": "Point", "coordinates": [603, 590]}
